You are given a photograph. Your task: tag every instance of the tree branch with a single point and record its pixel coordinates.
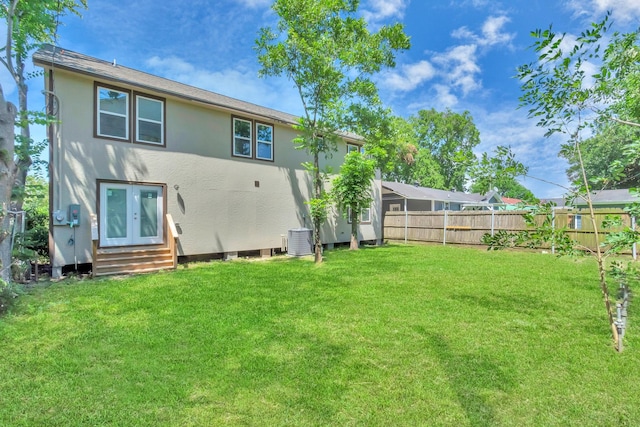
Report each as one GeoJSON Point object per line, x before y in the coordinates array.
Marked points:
{"type": "Point", "coordinates": [9, 47]}
{"type": "Point", "coordinates": [625, 122]}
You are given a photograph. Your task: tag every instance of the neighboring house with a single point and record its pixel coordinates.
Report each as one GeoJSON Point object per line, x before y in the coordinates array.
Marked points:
{"type": "Point", "coordinates": [397, 196]}
{"type": "Point", "coordinates": [600, 199]}
{"type": "Point", "coordinates": [606, 199]}
{"type": "Point", "coordinates": [558, 202]}
{"type": "Point", "coordinates": [130, 148]}
{"type": "Point", "coordinates": [511, 204]}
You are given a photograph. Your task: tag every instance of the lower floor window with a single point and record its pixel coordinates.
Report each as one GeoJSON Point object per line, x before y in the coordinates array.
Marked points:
{"type": "Point", "coordinates": [365, 215]}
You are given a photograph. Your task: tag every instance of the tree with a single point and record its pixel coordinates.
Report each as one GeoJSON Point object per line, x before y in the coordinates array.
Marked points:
{"type": "Point", "coordinates": [36, 206]}
{"type": "Point", "coordinates": [515, 190]}
{"type": "Point", "coordinates": [450, 138]}
{"type": "Point", "coordinates": [499, 173]}
{"type": "Point", "coordinates": [565, 99]}
{"type": "Point", "coordinates": [330, 56]}
{"type": "Point", "coordinates": [29, 24]}
{"type": "Point", "coordinates": [8, 168]}
{"type": "Point", "coordinates": [609, 157]}
{"type": "Point", "coordinates": [351, 190]}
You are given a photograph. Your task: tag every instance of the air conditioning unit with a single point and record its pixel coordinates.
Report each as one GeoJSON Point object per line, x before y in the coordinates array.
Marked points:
{"type": "Point", "coordinates": [300, 242]}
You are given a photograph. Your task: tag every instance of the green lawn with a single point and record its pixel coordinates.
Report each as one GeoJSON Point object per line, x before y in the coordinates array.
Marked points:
{"type": "Point", "coordinates": [396, 335]}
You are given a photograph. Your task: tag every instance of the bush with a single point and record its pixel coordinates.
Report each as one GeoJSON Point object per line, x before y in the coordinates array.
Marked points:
{"type": "Point", "coordinates": [35, 241]}
{"type": "Point", "coordinates": [8, 294]}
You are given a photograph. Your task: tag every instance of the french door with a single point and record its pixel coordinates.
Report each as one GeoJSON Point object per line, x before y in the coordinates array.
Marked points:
{"type": "Point", "coordinates": [131, 214]}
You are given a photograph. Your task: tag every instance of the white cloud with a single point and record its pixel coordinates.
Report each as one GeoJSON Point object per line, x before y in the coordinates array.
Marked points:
{"type": "Point", "coordinates": [623, 11]}
{"type": "Point", "coordinates": [410, 76]}
{"type": "Point", "coordinates": [463, 33]}
{"type": "Point", "coordinates": [378, 10]}
{"type": "Point", "coordinates": [444, 98]}
{"type": "Point", "coordinates": [459, 65]}
{"type": "Point", "coordinates": [172, 65]}
{"type": "Point", "coordinates": [509, 126]}
{"type": "Point", "coordinates": [457, 68]}
{"type": "Point", "coordinates": [478, 4]}
{"type": "Point", "coordinates": [439, 97]}
{"type": "Point", "coordinates": [254, 4]}
{"type": "Point", "coordinates": [492, 32]}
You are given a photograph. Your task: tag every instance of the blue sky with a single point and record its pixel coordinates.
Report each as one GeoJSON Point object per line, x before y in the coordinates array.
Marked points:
{"type": "Point", "coordinates": [464, 55]}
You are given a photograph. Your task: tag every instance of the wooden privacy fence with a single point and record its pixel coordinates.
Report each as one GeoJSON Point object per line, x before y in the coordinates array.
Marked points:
{"type": "Point", "coordinates": [468, 227]}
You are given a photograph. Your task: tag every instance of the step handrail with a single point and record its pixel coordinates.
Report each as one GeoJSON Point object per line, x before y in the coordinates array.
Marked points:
{"type": "Point", "coordinates": [172, 237]}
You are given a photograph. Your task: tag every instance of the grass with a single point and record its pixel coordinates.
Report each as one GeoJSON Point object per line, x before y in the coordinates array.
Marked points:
{"type": "Point", "coordinates": [396, 335]}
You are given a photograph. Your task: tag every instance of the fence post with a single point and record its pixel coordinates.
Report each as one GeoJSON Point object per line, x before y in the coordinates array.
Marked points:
{"type": "Point", "coordinates": [493, 221]}
{"type": "Point", "coordinates": [406, 218]}
{"type": "Point", "coordinates": [634, 248]}
{"type": "Point", "coordinates": [444, 229]}
{"type": "Point", "coordinates": [553, 230]}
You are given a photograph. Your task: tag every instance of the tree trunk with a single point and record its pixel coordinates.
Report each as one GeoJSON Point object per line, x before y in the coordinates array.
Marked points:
{"type": "Point", "coordinates": [7, 178]}
{"type": "Point", "coordinates": [354, 244]}
{"type": "Point", "coordinates": [317, 224]}
{"type": "Point", "coordinates": [24, 160]}
{"type": "Point", "coordinates": [599, 257]}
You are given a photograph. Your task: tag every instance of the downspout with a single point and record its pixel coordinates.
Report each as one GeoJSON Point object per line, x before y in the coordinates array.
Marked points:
{"type": "Point", "coordinates": [52, 171]}
{"type": "Point", "coordinates": [57, 148]}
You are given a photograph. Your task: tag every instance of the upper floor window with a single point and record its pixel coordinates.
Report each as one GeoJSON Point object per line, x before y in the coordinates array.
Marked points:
{"type": "Point", "coordinates": [354, 147]}
{"type": "Point", "coordinates": [264, 141]}
{"type": "Point", "coordinates": [113, 113]}
{"type": "Point", "coordinates": [365, 215]}
{"type": "Point", "coordinates": [114, 109]}
{"type": "Point", "coordinates": [252, 139]}
{"type": "Point", "coordinates": [241, 137]}
{"type": "Point", "coordinates": [149, 120]}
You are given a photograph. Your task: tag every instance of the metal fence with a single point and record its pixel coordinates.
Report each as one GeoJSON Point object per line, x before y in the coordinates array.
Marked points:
{"type": "Point", "coordinates": [468, 227]}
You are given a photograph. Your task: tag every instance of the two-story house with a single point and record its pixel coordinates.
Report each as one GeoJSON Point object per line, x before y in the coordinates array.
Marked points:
{"type": "Point", "coordinates": [139, 163]}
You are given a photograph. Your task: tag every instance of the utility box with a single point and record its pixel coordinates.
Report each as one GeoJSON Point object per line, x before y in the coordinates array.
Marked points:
{"type": "Point", "coordinates": [300, 242]}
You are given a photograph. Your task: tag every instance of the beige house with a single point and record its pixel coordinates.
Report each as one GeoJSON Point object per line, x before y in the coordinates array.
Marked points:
{"type": "Point", "coordinates": [144, 170]}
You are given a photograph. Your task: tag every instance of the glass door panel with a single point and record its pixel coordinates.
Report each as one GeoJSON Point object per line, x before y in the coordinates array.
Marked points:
{"type": "Point", "coordinates": [116, 213]}
{"type": "Point", "coordinates": [131, 214]}
{"type": "Point", "coordinates": [148, 215]}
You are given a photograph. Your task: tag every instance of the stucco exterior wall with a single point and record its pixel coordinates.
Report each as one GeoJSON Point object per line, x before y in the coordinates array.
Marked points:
{"type": "Point", "coordinates": [220, 203]}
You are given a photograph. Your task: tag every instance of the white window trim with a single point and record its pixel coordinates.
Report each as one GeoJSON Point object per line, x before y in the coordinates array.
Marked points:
{"type": "Point", "coordinates": [577, 222]}
{"type": "Point", "coordinates": [111, 113]}
{"type": "Point", "coordinates": [355, 147]}
{"type": "Point", "coordinates": [362, 216]}
{"type": "Point", "coordinates": [249, 139]}
{"type": "Point", "coordinates": [139, 119]}
{"type": "Point", "coordinates": [269, 143]}
{"type": "Point", "coordinates": [368, 221]}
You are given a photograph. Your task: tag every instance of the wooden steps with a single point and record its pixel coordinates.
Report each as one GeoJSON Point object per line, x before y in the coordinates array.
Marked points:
{"type": "Point", "coordinates": [132, 260]}
{"type": "Point", "coordinates": [136, 259]}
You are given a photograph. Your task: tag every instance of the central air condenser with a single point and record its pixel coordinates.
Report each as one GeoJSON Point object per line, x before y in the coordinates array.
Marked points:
{"type": "Point", "coordinates": [300, 242]}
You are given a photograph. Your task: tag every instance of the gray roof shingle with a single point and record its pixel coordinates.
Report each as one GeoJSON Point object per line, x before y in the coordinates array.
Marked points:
{"type": "Point", "coordinates": [57, 57]}
{"type": "Point", "coordinates": [414, 192]}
